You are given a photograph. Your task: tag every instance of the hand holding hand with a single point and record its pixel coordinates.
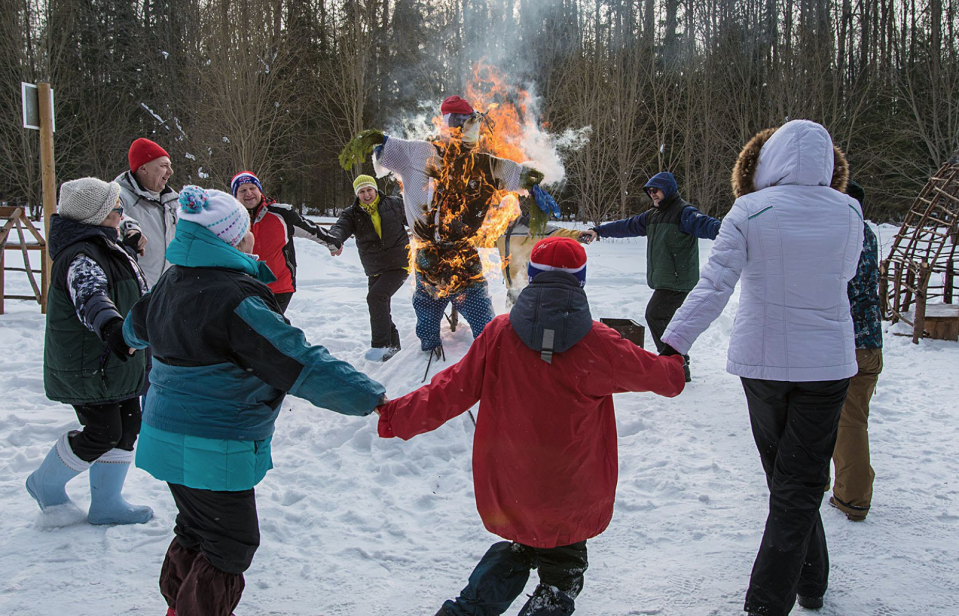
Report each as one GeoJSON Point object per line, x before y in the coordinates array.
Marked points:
{"type": "Point", "coordinates": [668, 350]}
{"type": "Point", "coordinates": [336, 251]}
{"type": "Point", "coordinates": [587, 237]}
{"type": "Point", "coordinates": [113, 338]}
{"type": "Point", "coordinates": [135, 240]}
{"type": "Point", "coordinates": [381, 406]}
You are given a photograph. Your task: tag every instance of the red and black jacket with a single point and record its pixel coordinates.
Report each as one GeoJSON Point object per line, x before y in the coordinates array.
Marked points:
{"type": "Point", "coordinates": [274, 225]}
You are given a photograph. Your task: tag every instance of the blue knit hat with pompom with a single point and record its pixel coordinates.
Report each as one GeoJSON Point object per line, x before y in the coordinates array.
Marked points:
{"type": "Point", "coordinates": [216, 210]}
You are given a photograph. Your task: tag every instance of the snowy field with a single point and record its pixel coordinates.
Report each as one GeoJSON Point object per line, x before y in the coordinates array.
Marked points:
{"type": "Point", "coordinates": [354, 525]}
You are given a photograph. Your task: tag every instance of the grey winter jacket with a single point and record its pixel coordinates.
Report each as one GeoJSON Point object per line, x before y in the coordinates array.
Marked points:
{"type": "Point", "coordinates": [156, 220]}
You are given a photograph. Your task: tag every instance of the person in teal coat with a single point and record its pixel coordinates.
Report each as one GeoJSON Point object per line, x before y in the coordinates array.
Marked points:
{"type": "Point", "coordinates": [224, 359]}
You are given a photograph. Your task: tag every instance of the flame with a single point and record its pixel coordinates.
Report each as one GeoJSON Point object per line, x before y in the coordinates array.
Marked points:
{"type": "Point", "coordinates": [452, 260]}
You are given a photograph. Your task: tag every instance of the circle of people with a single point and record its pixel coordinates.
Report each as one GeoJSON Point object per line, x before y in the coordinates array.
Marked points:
{"type": "Point", "coordinates": [164, 297]}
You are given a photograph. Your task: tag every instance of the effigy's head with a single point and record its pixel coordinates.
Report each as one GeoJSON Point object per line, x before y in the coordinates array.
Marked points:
{"type": "Point", "coordinates": [460, 120]}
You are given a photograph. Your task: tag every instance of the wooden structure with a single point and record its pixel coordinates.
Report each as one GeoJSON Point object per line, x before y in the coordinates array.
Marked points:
{"type": "Point", "coordinates": [15, 219]}
{"type": "Point", "coordinates": [918, 279]}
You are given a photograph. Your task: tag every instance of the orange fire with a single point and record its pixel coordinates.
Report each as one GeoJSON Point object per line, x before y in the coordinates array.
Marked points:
{"type": "Point", "coordinates": [504, 108]}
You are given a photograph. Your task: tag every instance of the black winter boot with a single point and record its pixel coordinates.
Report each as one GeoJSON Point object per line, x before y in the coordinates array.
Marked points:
{"type": "Point", "coordinates": [548, 601]}
{"type": "Point", "coordinates": [810, 603]}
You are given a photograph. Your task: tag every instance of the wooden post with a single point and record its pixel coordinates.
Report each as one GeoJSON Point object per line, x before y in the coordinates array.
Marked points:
{"type": "Point", "coordinates": [49, 181]}
{"type": "Point", "coordinates": [948, 289]}
{"type": "Point", "coordinates": [922, 282]}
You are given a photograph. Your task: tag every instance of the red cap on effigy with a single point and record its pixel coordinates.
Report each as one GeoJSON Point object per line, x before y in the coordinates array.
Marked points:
{"type": "Point", "coordinates": [455, 104]}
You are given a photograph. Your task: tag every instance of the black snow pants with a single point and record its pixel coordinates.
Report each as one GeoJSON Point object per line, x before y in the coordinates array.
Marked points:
{"type": "Point", "coordinates": [502, 574]}
{"type": "Point", "coordinates": [382, 287]}
{"type": "Point", "coordinates": [217, 534]}
{"type": "Point", "coordinates": [794, 425]}
{"type": "Point", "coordinates": [660, 310]}
{"type": "Point", "coordinates": [105, 426]}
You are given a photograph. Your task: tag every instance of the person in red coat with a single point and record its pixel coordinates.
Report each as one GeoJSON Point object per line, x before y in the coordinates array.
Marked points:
{"type": "Point", "coordinates": [544, 453]}
{"type": "Point", "coordinates": [274, 225]}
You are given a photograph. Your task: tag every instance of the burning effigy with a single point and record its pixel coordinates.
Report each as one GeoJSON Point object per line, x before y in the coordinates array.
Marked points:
{"type": "Point", "coordinates": [459, 196]}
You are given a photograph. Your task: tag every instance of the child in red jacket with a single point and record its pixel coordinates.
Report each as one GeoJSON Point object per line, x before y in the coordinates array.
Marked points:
{"type": "Point", "coordinates": [544, 456]}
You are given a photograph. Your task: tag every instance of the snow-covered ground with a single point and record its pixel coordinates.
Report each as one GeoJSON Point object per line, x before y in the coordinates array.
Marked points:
{"type": "Point", "coordinates": [354, 525]}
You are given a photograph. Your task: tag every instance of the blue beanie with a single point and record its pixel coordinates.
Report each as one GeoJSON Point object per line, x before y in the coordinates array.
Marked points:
{"type": "Point", "coordinates": [244, 177]}
{"type": "Point", "coordinates": [665, 182]}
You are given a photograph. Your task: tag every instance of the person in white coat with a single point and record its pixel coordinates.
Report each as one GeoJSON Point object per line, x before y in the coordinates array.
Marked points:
{"type": "Point", "coordinates": [150, 203]}
{"type": "Point", "coordinates": [793, 238]}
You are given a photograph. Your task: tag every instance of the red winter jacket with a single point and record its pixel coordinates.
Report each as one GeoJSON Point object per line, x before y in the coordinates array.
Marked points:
{"type": "Point", "coordinates": [274, 225]}
{"type": "Point", "coordinates": [544, 453]}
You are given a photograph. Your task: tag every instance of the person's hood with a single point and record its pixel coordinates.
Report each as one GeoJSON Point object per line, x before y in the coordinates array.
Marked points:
{"type": "Point", "coordinates": [665, 182]}
{"type": "Point", "coordinates": [798, 153]}
{"type": "Point", "coordinates": [553, 301]}
{"type": "Point", "coordinates": [196, 246]}
{"type": "Point", "coordinates": [65, 232]}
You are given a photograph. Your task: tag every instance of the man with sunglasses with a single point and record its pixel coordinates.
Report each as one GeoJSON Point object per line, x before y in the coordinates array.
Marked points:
{"type": "Point", "coordinates": [673, 228]}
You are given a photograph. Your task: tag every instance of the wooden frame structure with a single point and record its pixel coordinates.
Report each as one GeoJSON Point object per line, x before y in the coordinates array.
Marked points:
{"type": "Point", "coordinates": [14, 218]}
{"type": "Point", "coordinates": [918, 279]}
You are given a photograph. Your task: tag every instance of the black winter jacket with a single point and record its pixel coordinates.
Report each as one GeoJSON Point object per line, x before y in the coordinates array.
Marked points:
{"type": "Point", "coordinates": [377, 254]}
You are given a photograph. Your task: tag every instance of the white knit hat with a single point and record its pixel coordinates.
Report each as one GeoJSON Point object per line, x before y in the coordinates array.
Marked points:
{"type": "Point", "coordinates": [88, 200]}
{"type": "Point", "coordinates": [217, 211]}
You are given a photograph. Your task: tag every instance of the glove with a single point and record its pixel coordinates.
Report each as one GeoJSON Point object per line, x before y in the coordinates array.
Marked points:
{"type": "Point", "coordinates": [360, 147]}
{"type": "Point", "coordinates": [113, 338]}
{"type": "Point", "coordinates": [530, 177]}
{"type": "Point", "coordinates": [132, 241]}
{"type": "Point", "coordinates": [668, 350]}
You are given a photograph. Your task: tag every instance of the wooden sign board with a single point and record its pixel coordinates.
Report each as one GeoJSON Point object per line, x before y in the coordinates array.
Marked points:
{"type": "Point", "coordinates": [31, 106]}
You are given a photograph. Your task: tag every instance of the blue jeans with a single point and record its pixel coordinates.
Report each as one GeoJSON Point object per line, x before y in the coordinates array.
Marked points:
{"type": "Point", "coordinates": [472, 302]}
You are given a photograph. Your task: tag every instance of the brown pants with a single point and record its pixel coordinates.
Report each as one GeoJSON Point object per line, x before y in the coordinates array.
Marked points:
{"type": "Point", "coordinates": [852, 490]}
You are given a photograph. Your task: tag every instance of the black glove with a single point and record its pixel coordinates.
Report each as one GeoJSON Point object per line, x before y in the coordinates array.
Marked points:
{"type": "Point", "coordinates": [132, 241]}
{"type": "Point", "coordinates": [113, 338]}
{"type": "Point", "coordinates": [668, 350]}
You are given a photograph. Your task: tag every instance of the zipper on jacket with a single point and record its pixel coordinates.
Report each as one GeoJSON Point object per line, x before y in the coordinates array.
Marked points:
{"type": "Point", "coordinates": [102, 369]}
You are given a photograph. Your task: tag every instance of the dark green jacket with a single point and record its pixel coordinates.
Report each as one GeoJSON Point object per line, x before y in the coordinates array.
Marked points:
{"type": "Point", "coordinates": [672, 248]}
{"type": "Point", "coordinates": [78, 368]}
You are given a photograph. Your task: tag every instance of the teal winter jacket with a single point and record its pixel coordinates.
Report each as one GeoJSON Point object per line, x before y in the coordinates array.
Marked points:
{"type": "Point", "coordinates": [224, 359]}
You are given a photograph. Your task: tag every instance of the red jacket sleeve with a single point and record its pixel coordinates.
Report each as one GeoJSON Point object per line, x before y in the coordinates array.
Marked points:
{"type": "Point", "coordinates": [635, 369]}
{"type": "Point", "coordinates": [450, 393]}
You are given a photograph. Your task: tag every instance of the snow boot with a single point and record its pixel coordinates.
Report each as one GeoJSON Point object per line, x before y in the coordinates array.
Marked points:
{"type": "Point", "coordinates": [548, 601]}
{"type": "Point", "coordinates": [381, 353]}
{"type": "Point", "coordinates": [47, 484]}
{"type": "Point", "coordinates": [810, 603]}
{"type": "Point", "coordinates": [106, 480]}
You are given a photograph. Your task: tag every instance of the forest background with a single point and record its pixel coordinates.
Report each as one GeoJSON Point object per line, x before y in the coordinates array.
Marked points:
{"type": "Point", "coordinates": [627, 87]}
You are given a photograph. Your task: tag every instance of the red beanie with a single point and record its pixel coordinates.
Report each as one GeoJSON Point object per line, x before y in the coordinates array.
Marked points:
{"type": "Point", "coordinates": [143, 151]}
{"type": "Point", "coordinates": [562, 254]}
{"type": "Point", "coordinates": [455, 104]}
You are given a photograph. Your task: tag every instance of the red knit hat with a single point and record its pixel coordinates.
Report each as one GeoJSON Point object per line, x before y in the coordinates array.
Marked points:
{"type": "Point", "coordinates": [561, 254]}
{"type": "Point", "coordinates": [143, 151]}
{"type": "Point", "coordinates": [455, 104]}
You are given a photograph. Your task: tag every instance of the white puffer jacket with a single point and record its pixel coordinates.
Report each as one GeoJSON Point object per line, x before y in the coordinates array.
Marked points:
{"type": "Point", "coordinates": [794, 238]}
